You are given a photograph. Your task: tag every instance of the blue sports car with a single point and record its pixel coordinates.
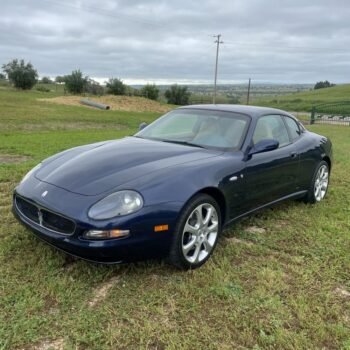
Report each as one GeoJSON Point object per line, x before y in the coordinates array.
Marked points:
{"type": "Point", "coordinates": [169, 190]}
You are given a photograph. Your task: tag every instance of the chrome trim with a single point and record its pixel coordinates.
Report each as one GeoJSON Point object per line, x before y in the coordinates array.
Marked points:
{"type": "Point", "coordinates": [40, 216]}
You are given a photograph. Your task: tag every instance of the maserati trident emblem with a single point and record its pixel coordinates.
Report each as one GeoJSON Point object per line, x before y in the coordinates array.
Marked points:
{"type": "Point", "coordinates": [44, 194]}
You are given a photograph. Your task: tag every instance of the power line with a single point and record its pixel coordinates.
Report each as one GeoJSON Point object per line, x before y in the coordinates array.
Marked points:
{"type": "Point", "coordinates": [217, 42]}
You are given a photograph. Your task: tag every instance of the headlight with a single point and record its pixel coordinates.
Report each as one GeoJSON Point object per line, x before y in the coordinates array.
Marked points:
{"type": "Point", "coordinates": [30, 172]}
{"type": "Point", "coordinates": [116, 204]}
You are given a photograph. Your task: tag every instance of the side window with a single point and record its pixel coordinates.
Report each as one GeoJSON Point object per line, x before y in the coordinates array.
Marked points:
{"type": "Point", "coordinates": [293, 128]}
{"type": "Point", "coordinates": [271, 127]}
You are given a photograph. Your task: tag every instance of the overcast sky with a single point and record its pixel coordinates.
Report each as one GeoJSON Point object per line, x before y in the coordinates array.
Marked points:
{"type": "Point", "coordinates": [294, 41]}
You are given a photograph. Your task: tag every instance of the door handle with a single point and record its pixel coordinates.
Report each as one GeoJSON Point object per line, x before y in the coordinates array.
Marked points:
{"type": "Point", "coordinates": [294, 154]}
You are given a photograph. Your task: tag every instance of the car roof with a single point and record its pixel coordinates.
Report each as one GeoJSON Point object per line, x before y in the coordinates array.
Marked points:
{"type": "Point", "coordinates": [253, 111]}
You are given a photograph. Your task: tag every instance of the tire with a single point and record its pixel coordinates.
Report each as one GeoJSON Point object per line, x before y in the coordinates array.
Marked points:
{"type": "Point", "coordinates": [319, 184]}
{"type": "Point", "coordinates": [196, 233]}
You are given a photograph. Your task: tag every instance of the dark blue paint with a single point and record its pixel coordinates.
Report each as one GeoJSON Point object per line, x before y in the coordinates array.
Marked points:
{"type": "Point", "coordinates": [167, 175]}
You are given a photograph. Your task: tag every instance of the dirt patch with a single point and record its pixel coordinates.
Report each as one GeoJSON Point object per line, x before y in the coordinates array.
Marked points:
{"type": "Point", "coordinates": [239, 241]}
{"type": "Point", "coordinates": [342, 292]}
{"type": "Point", "coordinates": [280, 223]}
{"type": "Point", "coordinates": [13, 159]}
{"type": "Point", "coordinates": [255, 230]}
{"type": "Point", "coordinates": [57, 344]}
{"type": "Point", "coordinates": [117, 103]}
{"type": "Point", "coordinates": [101, 292]}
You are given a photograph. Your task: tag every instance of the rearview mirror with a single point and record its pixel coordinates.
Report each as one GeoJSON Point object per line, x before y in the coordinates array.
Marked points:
{"type": "Point", "coordinates": [264, 146]}
{"type": "Point", "coordinates": [142, 126]}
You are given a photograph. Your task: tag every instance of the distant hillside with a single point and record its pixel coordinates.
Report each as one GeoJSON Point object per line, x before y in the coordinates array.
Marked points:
{"type": "Point", "coordinates": [303, 101]}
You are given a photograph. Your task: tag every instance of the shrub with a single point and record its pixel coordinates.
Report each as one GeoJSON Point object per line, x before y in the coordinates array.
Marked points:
{"type": "Point", "coordinates": [323, 84]}
{"type": "Point", "coordinates": [42, 89]}
{"type": "Point", "coordinates": [177, 95]}
{"type": "Point", "coordinates": [116, 87]}
{"type": "Point", "coordinates": [59, 79]}
{"type": "Point", "coordinates": [21, 75]}
{"type": "Point", "coordinates": [76, 83]}
{"type": "Point", "coordinates": [150, 91]}
{"type": "Point", "coordinates": [46, 80]}
{"type": "Point", "coordinates": [2, 76]}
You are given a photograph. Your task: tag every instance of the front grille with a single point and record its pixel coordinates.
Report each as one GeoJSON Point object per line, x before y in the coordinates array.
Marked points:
{"type": "Point", "coordinates": [45, 218]}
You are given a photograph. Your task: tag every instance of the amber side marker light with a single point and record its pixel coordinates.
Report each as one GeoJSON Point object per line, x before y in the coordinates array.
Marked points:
{"type": "Point", "coordinates": [160, 228]}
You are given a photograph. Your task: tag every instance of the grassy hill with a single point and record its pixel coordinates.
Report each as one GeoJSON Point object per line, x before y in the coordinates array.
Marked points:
{"type": "Point", "coordinates": [303, 101]}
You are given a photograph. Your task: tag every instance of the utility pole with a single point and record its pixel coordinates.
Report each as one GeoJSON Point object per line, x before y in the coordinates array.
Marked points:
{"type": "Point", "coordinates": [248, 94]}
{"type": "Point", "coordinates": [217, 42]}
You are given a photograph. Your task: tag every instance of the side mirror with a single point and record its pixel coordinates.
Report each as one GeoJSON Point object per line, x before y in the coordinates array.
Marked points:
{"type": "Point", "coordinates": [264, 146]}
{"type": "Point", "coordinates": [142, 126]}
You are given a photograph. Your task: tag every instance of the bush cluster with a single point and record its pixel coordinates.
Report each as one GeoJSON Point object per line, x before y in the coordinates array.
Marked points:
{"type": "Point", "coordinates": [24, 76]}
{"type": "Point", "coordinates": [323, 84]}
{"type": "Point", "coordinates": [178, 95]}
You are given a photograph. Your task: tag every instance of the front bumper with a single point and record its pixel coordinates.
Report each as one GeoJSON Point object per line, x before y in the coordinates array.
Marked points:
{"type": "Point", "coordinates": [143, 242]}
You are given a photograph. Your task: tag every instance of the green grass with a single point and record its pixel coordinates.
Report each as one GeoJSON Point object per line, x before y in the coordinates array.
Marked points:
{"type": "Point", "coordinates": [282, 286]}
{"type": "Point", "coordinates": [304, 101]}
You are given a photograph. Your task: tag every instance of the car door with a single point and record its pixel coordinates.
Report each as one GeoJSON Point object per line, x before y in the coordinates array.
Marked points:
{"type": "Point", "coordinates": [271, 175]}
{"type": "Point", "coordinates": [305, 149]}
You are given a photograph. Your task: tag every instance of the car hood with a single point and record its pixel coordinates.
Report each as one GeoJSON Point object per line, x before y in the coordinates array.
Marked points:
{"type": "Point", "coordinates": [94, 169]}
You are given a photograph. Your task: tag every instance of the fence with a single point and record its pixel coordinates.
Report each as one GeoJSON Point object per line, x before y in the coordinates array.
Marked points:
{"type": "Point", "coordinates": [331, 113]}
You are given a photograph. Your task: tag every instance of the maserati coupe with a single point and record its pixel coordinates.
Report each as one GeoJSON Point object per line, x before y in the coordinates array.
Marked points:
{"type": "Point", "coordinates": [169, 190]}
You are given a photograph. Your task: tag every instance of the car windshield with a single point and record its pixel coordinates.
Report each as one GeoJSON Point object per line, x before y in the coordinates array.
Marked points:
{"type": "Point", "coordinates": [196, 127]}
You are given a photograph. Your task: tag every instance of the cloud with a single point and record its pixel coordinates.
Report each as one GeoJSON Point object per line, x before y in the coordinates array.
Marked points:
{"type": "Point", "coordinates": [276, 41]}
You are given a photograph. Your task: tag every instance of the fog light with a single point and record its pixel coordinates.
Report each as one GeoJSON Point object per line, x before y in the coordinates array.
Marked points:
{"type": "Point", "coordinates": [106, 234]}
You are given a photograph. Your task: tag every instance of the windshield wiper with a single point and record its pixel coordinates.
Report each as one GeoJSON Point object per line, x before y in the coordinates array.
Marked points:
{"type": "Point", "coordinates": [186, 143]}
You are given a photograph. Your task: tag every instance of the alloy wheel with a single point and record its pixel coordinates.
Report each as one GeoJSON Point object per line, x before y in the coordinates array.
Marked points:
{"type": "Point", "coordinates": [200, 233]}
{"type": "Point", "coordinates": [321, 183]}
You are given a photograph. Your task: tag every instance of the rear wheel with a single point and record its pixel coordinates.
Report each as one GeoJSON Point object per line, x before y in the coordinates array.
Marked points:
{"type": "Point", "coordinates": [196, 234]}
{"type": "Point", "coordinates": [319, 185]}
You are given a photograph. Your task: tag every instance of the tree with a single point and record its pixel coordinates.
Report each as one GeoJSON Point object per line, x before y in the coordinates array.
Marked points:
{"type": "Point", "coordinates": [46, 80]}
{"type": "Point", "coordinates": [76, 82]}
{"type": "Point", "coordinates": [2, 76]}
{"type": "Point", "coordinates": [150, 91]}
{"type": "Point", "coordinates": [21, 75]}
{"type": "Point", "coordinates": [177, 95]}
{"type": "Point", "coordinates": [59, 79]}
{"type": "Point", "coordinates": [116, 87]}
{"type": "Point", "coordinates": [323, 84]}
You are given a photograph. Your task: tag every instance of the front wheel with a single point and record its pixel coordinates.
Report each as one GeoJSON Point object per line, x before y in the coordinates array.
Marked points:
{"type": "Point", "coordinates": [196, 233]}
{"type": "Point", "coordinates": [319, 185]}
